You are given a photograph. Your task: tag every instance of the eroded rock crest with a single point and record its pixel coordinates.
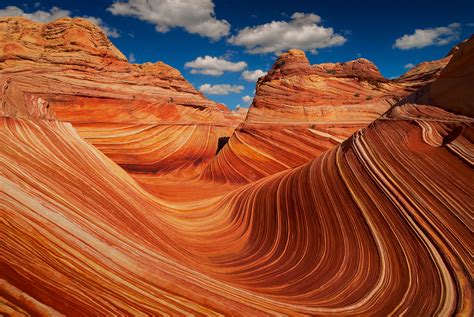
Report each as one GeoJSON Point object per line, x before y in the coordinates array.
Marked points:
{"type": "Point", "coordinates": [316, 205]}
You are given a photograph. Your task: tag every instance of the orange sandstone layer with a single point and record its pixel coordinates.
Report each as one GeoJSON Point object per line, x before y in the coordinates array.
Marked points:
{"type": "Point", "coordinates": [142, 116]}
{"type": "Point", "coordinates": [380, 224]}
{"type": "Point", "coordinates": [302, 110]}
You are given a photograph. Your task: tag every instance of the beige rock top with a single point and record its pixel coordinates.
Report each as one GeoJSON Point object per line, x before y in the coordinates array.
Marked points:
{"type": "Point", "coordinates": [65, 41]}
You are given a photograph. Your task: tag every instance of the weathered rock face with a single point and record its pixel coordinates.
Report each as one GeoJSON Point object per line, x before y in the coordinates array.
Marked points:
{"type": "Point", "coordinates": [423, 73]}
{"type": "Point", "coordinates": [65, 41]}
{"type": "Point", "coordinates": [76, 52]}
{"type": "Point", "coordinates": [295, 91]}
{"type": "Point", "coordinates": [82, 236]}
{"type": "Point", "coordinates": [138, 115]}
{"type": "Point", "coordinates": [453, 89]}
{"type": "Point", "coordinates": [302, 110]}
{"type": "Point", "coordinates": [295, 62]}
{"type": "Point", "coordinates": [392, 203]}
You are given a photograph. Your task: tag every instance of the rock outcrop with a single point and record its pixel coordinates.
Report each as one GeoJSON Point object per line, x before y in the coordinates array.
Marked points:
{"type": "Point", "coordinates": [377, 224]}
{"type": "Point", "coordinates": [295, 91]}
{"type": "Point", "coordinates": [302, 110]}
{"type": "Point", "coordinates": [73, 42]}
{"type": "Point", "coordinates": [452, 90]}
{"type": "Point", "coordinates": [138, 115]}
{"type": "Point", "coordinates": [423, 73]}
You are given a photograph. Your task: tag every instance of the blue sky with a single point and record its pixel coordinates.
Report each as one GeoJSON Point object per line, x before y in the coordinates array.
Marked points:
{"type": "Point", "coordinates": [330, 31]}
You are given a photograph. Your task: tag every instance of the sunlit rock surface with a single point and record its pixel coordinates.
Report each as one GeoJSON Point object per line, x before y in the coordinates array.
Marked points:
{"type": "Point", "coordinates": [376, 222]}
{"type": "Point", "coordinates": [145, 117]}
{"type": "Point", "coordinates": [302, 110]}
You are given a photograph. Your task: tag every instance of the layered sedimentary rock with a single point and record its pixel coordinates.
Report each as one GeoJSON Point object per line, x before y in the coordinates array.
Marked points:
{"type": "Point", "coordinates": [380, 224]}
{"type": "Point", "coordinates": [453, 89]}
{"type": "Point", "coordinates": [397, 238]}
{"type": "Point", "coordinates": [295, 91]}
{"type": "Point", "coordinates": [301, 110]}
{"type": "Point", "coordinates": [423, 73]}
{"type": "Point", "coordinates": [69, 71]}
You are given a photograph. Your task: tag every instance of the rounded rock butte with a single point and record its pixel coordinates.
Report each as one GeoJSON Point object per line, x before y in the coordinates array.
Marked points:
{"type": "Point", "coordinates": [124, 191]}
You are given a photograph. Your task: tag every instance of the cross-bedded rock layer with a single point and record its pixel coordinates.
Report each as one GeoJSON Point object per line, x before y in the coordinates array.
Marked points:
{"type": "Point", "coordinates": [379, 224]}
{"type": "Point", "coordinates": [142, 116]}
{"type": "Point", "coordinates": [302, 110]}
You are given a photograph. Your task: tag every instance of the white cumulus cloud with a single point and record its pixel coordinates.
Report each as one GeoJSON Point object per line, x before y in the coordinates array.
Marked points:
{"type": "Point", "coordinates": [56, 13]}
{"type": "Point", "coordinates": [431, 36]}
{"type": "Point", "coordinates": [409, 65]}
{"type": "Point", "coordinates": [38, 16]}
{"type": "Point", "coordinates": [253, 76]}
{"type": "Point", "coordinates": [303, 31]}
{"type": "Point", "coordinates": [131, 58]}
{"type": "Point", "coordinates": [196, 17]}
{"type": "Point", "coordinates": [247, 98]}
{"type": "Point", "coordinates": [213, 66]}
{"type": "Point", "coordinates": [223, 89]}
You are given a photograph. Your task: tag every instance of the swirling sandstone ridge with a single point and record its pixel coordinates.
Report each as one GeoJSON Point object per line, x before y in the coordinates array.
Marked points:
{"type": "Point", "coordinates": [145, 117]}
{"type": "Point", "coordinates": [380, 224]}
{"type": "Point", "coordinates": [301, 110]}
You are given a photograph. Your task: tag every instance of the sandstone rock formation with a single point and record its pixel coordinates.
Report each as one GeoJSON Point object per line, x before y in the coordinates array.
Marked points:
{"type": "Point", "coordinates": [301, 110]}
{"type": "Point", "coordinates": [380, 224]}
{"type": "Point", "coordinates": [141, 116]}
{"type": "Point", "coordinates": [423, 73]}
{"type": "Point", "coordinates": [453, 89]}
{"type": "Point", "coordinates": [295, 91]}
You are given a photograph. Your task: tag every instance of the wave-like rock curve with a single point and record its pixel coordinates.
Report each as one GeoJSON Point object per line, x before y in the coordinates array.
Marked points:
{"type": "Point", "coordinates": [378, 224]}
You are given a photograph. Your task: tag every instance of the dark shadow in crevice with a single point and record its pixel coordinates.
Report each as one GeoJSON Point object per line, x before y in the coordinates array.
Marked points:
{"type": "Point", "coordinates": [452, 135]}
{"type": "Point", "coordinates": [221, 143]}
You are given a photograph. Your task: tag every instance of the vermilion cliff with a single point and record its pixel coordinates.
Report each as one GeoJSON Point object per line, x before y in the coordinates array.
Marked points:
{"type": "Point", "coordinates": [302, 110]}
{"type": "Point", "coordinates": [322, 202]}
{"type": "Point", "coordinates": [69, 71]}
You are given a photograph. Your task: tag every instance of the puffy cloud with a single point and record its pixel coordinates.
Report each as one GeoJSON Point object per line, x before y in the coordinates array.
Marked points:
{"type": "Point", "coordinates": [247, 98]}
{"type": "Point", "coordinates": [303, 31]}
{"type": "Point", "coordinates": [253, 76]}
{"type": "Point", "coordinates": [409, 65]}
{"type": "Point", "coordinates": [131, 58]}
{"type": "Point", "coordinates": [431, 36]}
{"type": "Point", "coordinates": [196, 17]}
{"type": "Point", "coordinates": [38, 16]}
{"type": "Point", "coordinates": [223, 89]}
{"type": "Point", "coordinates": [56, 13]}
{"type": "Point", "coordinates": [213, 66]}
